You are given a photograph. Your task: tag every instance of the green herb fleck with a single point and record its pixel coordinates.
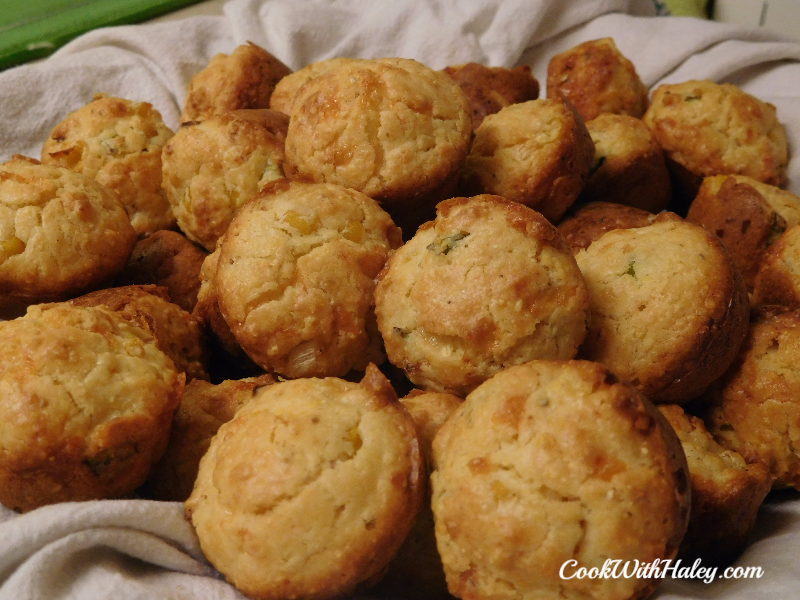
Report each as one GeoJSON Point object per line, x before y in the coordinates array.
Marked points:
{"type": "Point", "coordinates": [446, 244]}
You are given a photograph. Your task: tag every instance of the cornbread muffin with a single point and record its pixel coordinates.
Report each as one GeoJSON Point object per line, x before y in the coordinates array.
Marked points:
{"type": "Point", "coordinates": [726, 492]}
{"type": "Point", "coordinates": [391, 128]}
{"type": "Point", "coordinates": [295, 278]}
{"type": "Point", "coordinates": [287, 88]}
{"type": "Point", "coordinates": [61, 234]}
{"type": "Point", "coordinates": [747, 215]}
{"type": "Point", "coordinates": [707, 128]}
{"type": "Point", "coordinates": [489, 89]}
{"type": "Point", "coordinates": [551, 465]}
{"type": "Point", "coordinates": [668, 308]}
{"type": "Point", "coordinates": [778, 278]}
{"type": "Point", "coordinates": [118, 143]}
{"type": "Point", "coordinates": [212, 168]}
{"type": "Point", "coordinates": [629, 166]}
{"type": "Point", "coordinates": [203, 409]}
{"type": "Point", "coordinates": [488, 284]}
{"type": "Point", "coordinates": [311, 488]}
{"type": "Point", "coordinates": [592, 220]}
{"type": "Point", "coordinates": [167, 259]}
{"type": "Point", "coordinates": [177, 333]}
{"type": "Point", "coordinates": [537, 153]}
{"type": "Point", "coordinates": [416, 571]}
{"type": "Point", "coordinates": [243, 80]}
{"type": "Point", "coordinates": [87, 401]}
{"type": "Point", "coordinates": [597, 79]}
{"type": "Point", "coordinates": [755, 408]}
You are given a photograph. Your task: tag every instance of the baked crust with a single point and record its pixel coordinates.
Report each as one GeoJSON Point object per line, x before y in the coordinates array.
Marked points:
{"type": "Point", "coordinates": [204, 408]}
{"type": "Point", "coordinates": [295, 278]}
{"type": "Point", "coordinates": [726, 493]}
{"type": "Point", "coordinates": [707, 128]}
{"type": "Point", "coordinates": [669, 308]}
{"type": "Point", "coordinates": [177, 333]}
{"type": "Point", "coordinates": [311, 488]}
{"type": "Point", "coordinates": [211, 169]}
{"type": "Point", "coordinates": [597, 79]}
{"type": "Point", "coordinates": [553, 461]}
{"type": "Point", "coordinates": [243, 80]}
{"type": "Point", "coordinates": [778, 278]}
{"type": "Point", "coordinates": [166, 259]}
{"type": "Point", "coordinates": [754, 409]}
{"type": "Point", "coordinates": [285, 94]}
{"type": "Point", "coordinates": [118, 143]}
{"type": "Point", "coordinates": [61, 235]}
{"type": "Point", "coordinates": [537, 153]}
{"type": "Point", "coordinates": [490, 89]}
{"type": "Point", "coordinates": [628, 166]}
{"type": "Point", "coordinates": [489, 284]}
{"type": "Point", "coordinates": [87, 400]}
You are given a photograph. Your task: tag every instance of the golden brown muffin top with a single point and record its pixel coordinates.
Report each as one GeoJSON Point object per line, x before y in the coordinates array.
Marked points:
{"type": "Point", "coordinates": [592, 220]}
{"type": "Point", "coordinates": [488, 284]}
{"type": "Point", "coordinates": [391, 128]}
{"type": "Point", "coordinates": [337, 461]}
{"type": "Point", "coordinates": [597, 79]}
{"type": "Point", "coordinates": [118, 143]}
{"type": "Point", "coordinates": [60, 232]}
{"type": "Point", "coordinates": [669, 309]}
{"type": "Point", "coordinates": [553, 461]}
{"type": "Point", "coordinates": [712, 129]}
{"type": "Point", "coordinates": [286, 89]}
{"type": "Point", "coordinates": [490, 89]}
{"type": "Point", "coordinates": [243, 80]}
{"type": "Point", "coordinates": [778, 278]}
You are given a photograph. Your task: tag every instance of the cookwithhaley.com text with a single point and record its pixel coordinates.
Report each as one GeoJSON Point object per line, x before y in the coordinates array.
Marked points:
{"type": "Point", "coordinates": [658, 569]}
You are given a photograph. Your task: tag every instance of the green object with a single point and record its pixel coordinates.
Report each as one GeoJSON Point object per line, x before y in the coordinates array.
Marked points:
{"type": "Point", "coordinates": [31, 29]}
{"type": "Point", "coordinates": [688, 8]}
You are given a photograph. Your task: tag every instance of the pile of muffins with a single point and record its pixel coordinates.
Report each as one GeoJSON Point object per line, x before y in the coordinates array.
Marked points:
{"type": "Point", "coordinates": [226, 316]}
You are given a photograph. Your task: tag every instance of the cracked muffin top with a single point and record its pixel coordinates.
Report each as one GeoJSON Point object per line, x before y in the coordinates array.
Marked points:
{"type": "Point", "coordinates": [489, 284]}
{"type": "Point", "coordinates": [118, 143]}
{"type": "Point", "coordinates": [310, 489]}
{"type": "Point", "coordinates": [295, 278]}
{"type": "Point", "coordinates": [286, 89]}
{"type": "Point", "coordinates": [549, 462]}
{"type": "Point", "coordinates": [244, 79]}
{"type": "Point", "coordinates": [391, 128]}
{"type": "Point", "coordinates": [61, 233]}
{"type": "Point", "coordinates": [668, 307]}
{"type": "Point", "coordinates": [87, 399]}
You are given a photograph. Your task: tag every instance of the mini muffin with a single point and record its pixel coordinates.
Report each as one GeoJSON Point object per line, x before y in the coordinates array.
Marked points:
{"type": "Point", "coordinates": [286, 89]}
{"type": "Point", "coordinates": [668, 308]}
{"type": "Point", "coordinates": [488, 284]}
{"type": "Point", "coordinates": [755, 408]}
{"type": "Point", "coordinates": [118, 143]}
{"type": "Point", "coordinates": [747, 215]}
{"type": "Point", "coordinates": [726, 493]}
{"type": "Point", "coordinates": [391, 128]}
{"type": "Point", "coordinates": [717, 129]}
{"type": "Point", "coordinates": [243, 80]}
{"type": "Point", "coordinates": [311, 488]}
{"type": "Point", "coordinates": [177, 333]}
{"type": "Point", "coordinates": [491, 88]}
{"type": "Point", "coordinates": [537, 153]}
{"type": "Point", "coordinates": [87, 401]}
{"type": "Point", "coordinates": [295, 278]}
{"type": "Point", "coordinates": [168, 259]}
{"type": "Point", "coordinates": [592, 220]}
{"type": "Point", "coordinates": [550, 467]}
{"type": "Point", "coordinates": [203, 409]}
{"type": "Point", "coordinates": [628, 166]}
{"type": "Point", "coordinates": [597, 79]}
{"type": "Point", "coordinates": [416, 571]}
{"type": "Point", "coordinates": [778, 278]}
{"type": "Point", "coordinates": [61, 234]}
{"type": "Point", "coordinates": [212, 168]}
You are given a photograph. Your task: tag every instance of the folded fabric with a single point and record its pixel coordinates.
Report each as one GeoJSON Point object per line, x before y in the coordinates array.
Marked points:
{"type": "Point", "coordinates": [131, 549]}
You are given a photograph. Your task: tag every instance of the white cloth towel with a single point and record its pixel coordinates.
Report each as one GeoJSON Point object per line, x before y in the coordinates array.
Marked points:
{"type": "Point", "coordinates": [135, 549]}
